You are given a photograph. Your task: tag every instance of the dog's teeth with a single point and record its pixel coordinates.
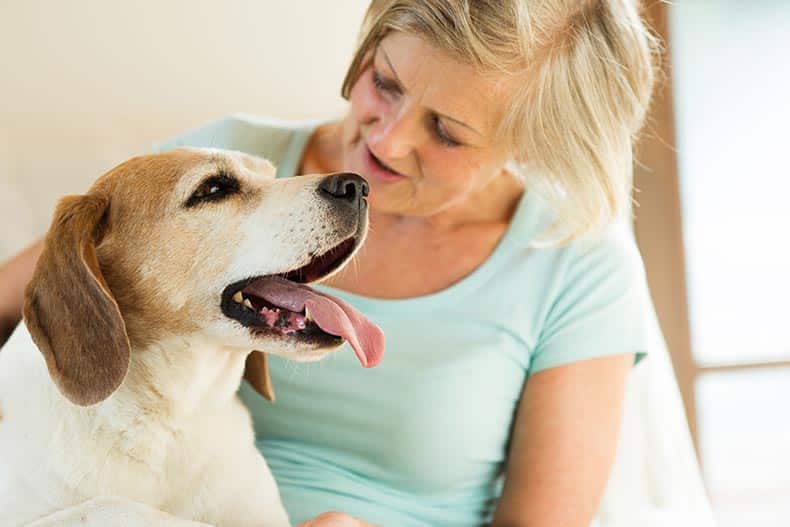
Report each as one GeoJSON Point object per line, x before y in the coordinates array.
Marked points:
{"type": "Point", "coordinates": [248, 303]}
{"type": "Point", "coordinates": [238, 297]}
{"type": "Point", "coordinates": [307, 314]}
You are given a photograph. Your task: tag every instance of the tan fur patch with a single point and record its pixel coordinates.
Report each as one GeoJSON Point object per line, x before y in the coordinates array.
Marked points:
{"type": "Point", "coordinates": [70, 310]}
{"type": "Point", "coordinates": [155, 286]}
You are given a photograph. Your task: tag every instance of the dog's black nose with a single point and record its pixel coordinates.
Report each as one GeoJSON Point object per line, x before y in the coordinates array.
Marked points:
{"type": "Point", "coordinates": [345, 186]}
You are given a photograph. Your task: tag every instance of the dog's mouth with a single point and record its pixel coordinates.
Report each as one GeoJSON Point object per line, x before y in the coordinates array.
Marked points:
{"type": "Point", "coordinates": [282, 305]}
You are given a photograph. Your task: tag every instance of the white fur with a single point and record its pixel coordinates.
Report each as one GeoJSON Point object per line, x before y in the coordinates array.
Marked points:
{"type": "Point", "coordinates": [182, 444]}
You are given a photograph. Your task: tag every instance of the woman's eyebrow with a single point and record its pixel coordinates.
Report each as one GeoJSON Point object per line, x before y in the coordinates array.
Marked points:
{"type": "Point", "coordinates": [402, 88]}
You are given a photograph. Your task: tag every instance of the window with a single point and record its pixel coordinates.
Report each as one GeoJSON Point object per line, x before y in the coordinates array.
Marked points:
{"type": "Point", "coordinates": [714, 229]}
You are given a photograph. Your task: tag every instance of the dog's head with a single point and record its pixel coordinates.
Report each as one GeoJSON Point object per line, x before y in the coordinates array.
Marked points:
{"type": "Point", "coordinates": [196, 242]}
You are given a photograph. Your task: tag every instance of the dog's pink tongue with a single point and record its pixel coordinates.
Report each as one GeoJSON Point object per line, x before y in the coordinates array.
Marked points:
{"type": "Point", "coordinates": [331, 314]}
{"type": "Point", "coordinates": [339, 318]}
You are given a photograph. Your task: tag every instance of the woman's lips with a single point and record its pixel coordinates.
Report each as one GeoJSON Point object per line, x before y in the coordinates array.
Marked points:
{"type": "Point", "coordinates": [377, 169]}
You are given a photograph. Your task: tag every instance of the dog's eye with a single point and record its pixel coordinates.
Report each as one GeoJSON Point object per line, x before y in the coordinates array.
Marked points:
{"type": "Point", "coordinates": [213, 188]}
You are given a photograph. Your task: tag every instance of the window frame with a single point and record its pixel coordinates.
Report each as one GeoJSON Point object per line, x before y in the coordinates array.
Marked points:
{"type": "Point", "coordinates": [658, 228]}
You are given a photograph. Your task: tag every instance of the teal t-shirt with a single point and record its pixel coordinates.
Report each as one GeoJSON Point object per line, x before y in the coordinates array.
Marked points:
{"type": "Point", "coordinates": [421, 439]}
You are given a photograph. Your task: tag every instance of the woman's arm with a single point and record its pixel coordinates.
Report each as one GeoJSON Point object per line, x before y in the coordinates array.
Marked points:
{"type": "Point", "coordinates": [563, 444]}
{"type": "Point", "coordinates": [14, 276]}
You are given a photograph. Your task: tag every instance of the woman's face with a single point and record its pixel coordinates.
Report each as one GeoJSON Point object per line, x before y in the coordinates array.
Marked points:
{"type": "Point", "coordinates": [421, 127]}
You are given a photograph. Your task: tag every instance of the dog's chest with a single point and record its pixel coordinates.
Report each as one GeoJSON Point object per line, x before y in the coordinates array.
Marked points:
{"type": "Point", "coordinates": [63, 455]}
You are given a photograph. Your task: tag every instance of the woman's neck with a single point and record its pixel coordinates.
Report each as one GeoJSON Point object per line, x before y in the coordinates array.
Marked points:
{"type": "Point", "coordinates": [323, 153]}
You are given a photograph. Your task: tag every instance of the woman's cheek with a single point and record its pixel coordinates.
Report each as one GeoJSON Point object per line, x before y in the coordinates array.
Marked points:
{"type": "Point", "coordinates": [366, 103]}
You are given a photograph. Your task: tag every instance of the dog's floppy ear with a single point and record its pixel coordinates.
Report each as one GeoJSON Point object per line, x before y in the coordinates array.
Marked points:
{"type": "Point", "coordinates": [256, 372]}
{"type": "Point", "coordinates": [69, 309]}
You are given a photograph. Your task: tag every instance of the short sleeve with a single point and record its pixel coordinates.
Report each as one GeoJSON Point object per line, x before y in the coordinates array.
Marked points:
{"type": "Point", "coordinates": [599, 307]}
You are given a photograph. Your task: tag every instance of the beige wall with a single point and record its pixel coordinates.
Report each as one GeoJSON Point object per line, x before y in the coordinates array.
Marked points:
{"type": "Point", "coordinates": [85, 84]}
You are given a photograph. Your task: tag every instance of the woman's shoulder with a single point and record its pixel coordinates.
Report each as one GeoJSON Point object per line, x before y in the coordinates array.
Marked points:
{"type": "Point", "coordinates": [257, 135]}
{"type": "Point", "coordinates": [608, 260]}
{"type": "Point", "coordinates": [609, 251]}
{"type": "Point", "coordinates": [610, 255]}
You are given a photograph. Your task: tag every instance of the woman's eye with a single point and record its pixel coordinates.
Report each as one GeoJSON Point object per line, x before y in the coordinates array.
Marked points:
{"type": "Point", "coordinates": [391, 89]}
{"type": "Point", "coordinates": [442, 135]}
{"type": "Point", "coordinates": [383, 85]}
{"type": "Point", "coordinates": [213, 188]}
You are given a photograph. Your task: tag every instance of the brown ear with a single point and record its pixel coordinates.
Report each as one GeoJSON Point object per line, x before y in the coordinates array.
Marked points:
{"type": "Point", "coordinates": [256, 372]}
{"type": "Point", "coordinates": [69, 309]}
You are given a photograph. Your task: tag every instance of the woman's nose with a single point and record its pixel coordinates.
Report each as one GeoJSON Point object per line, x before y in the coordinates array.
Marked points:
{"type": "Point", "coordinates": [395, 137]}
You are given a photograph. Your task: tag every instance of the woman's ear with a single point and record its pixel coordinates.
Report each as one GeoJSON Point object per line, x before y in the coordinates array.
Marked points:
{"type": "Point", "coordinates": [69, 309]}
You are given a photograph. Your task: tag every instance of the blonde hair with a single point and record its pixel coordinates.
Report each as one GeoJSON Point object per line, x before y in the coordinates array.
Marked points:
{"type": "Point", "coordinates": [588, 72]}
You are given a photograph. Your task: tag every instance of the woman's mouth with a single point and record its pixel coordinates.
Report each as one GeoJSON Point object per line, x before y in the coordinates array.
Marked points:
{"type": "Point", "coordinates": [377, 169]}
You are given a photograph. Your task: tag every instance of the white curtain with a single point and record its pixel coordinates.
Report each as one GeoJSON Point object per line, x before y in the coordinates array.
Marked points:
{"type": "Point", "coordinates": [656, 480]}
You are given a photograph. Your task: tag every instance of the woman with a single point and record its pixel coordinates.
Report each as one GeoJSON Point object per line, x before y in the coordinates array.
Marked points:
{"type": "Point", "coordinates": [496, 138]}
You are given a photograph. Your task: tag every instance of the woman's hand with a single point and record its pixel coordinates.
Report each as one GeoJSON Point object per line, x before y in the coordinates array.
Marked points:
{"type": "Point", "coordinates": [334, 519]}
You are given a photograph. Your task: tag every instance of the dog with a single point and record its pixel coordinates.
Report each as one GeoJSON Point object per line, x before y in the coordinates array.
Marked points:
{"type": "Point", "coordinates": [154, 295]}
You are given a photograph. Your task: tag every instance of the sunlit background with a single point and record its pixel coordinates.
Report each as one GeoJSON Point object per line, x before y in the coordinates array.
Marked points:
{"type": "Point", "coordinates": [84, 85]}
{"type": "Point", "coordinates": [731, 73]}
